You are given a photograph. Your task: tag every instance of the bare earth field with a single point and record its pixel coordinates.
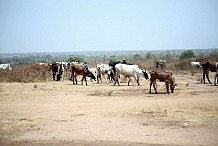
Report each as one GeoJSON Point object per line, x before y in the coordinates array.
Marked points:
{"type": "Point", "coordinates": [60, 113]}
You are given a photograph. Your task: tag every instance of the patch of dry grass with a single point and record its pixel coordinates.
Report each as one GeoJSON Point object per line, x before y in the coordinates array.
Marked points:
{"type": "Point", "coordinates": [24, 73]}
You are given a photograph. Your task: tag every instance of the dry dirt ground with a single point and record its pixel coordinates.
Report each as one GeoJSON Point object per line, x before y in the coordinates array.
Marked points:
{"type": "Point", "coordinates": [60, 113]}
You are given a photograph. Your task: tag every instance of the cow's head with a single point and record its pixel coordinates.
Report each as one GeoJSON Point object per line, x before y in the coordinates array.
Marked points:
{"type": "Point", "coordinates": [91, 75]}
{"type": "Point", "coordinates": [145, 74]}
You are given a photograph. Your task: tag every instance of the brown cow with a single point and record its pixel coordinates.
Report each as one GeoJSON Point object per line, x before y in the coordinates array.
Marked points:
{"type": "Point", "coordinates": [208, 66]}
{"type": "Point", "coordinates": [78, 69]}
{"type": "Point", "coordinates": [163, 77]}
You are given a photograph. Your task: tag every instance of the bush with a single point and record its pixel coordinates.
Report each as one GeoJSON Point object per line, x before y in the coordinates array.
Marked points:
{"type": "Point", "coordinates": [24, 73]}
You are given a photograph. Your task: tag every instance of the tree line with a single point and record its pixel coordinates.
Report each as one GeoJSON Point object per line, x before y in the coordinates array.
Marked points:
{"type": "Point", "coordinates": [167, 55]}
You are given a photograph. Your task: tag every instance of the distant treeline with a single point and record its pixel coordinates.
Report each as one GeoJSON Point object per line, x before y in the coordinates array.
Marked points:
{"type": "Point", "coordinates": [112, 56]}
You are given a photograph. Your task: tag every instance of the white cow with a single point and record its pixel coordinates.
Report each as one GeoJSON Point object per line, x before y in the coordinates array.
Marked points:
{"type": "Point", "coordinates": [5, 67]}
{"type": "Point", "coordinates": [129, 71]}
{"type": "Point", "coordinates": [195, 64]}
{"type": "Point", "coordinates": [216, 75]}
{"type": "Point", "coordinates": [103, 70]}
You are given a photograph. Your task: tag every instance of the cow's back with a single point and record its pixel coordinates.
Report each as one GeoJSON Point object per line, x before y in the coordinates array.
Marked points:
{"type": "Point", "coordinates": [126, 69]}
{"type": "Point", "coordinates": [78, 69]}
{"type": "Point", "coordinates": [209, 66]}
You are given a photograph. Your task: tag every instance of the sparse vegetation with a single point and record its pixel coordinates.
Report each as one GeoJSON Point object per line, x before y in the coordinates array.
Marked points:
{"type": "Point", "coordinates": [24, 71]}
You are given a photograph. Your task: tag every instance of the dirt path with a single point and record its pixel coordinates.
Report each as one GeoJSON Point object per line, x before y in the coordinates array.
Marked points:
{"type": "Point", "coordinates": [102, 114]}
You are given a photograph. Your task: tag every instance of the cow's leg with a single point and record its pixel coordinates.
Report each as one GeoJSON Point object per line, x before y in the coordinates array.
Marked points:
{"type": "Point", "coordinates": [204, 78]}
{"type": "Point", "coordinates": [70, 78]}
{"type": "Point", "coordinates": [167, 86]}
{"type": "Point", "coordinates": [85, 80]}
{"type": "Point", "coordinates": [118, 82]}
{"type": "Point", "coordinates": [73, 78]}
{"type": "Point", "coordinates": [76, 79]}
{"type": "Point", "coordinates": [137, 79]}
{"type": "Point", "coordinates": [207, 75]}
{"type": "Point", "coordinates": [98, 78]}
{"type": "Point", "coordinates": [129, 80]}
{"type": "Point", "coordinates": [216, 79]}
{"type": "Point", "coordinates": [116, 79]}
{"type": "Point", "coordinates": [150, 86]}
{"type": "Point", "coordinates": [58, 77]}
{"type": "Point", "coordinates": [54, 73]}
{"type": "Point", "coordinates": [62, 76]}
{"type": "Point", "coordinates": [154, 86]}
{"type": "Point", "coordinates": [171, 88]}
{"type": "Point", "coordinates": [152, 82]}
{"type": "Point", "coordinates": [82, 80]}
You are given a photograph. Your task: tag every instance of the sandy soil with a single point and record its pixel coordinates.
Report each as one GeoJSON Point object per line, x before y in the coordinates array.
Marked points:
{"type": "Point", "coordinates": [60, 113]}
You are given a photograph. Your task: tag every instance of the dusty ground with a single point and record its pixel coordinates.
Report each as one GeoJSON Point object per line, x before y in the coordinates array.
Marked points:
{"type": "Point", "coordinates": [60, 113]}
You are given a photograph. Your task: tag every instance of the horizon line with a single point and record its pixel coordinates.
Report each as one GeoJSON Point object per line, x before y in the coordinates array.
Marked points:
{"type": "Point", "coordinates": [110, 51]}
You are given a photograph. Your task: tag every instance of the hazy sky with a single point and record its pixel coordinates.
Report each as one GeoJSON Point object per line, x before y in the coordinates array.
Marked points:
{"type": "Point", "coordinates": [93, 25]}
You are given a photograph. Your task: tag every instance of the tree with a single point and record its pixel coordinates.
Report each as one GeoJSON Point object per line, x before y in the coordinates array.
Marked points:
{"type": "Point", "coordinates": [113, 58]}
{"type": "Point", "coordinates": [187, 54]}
{"type": "Point", "coordinates": [75, 59]}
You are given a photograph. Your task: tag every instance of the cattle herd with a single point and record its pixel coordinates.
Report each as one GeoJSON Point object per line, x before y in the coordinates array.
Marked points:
{"type": "Point", "coordinates": [111, 72]}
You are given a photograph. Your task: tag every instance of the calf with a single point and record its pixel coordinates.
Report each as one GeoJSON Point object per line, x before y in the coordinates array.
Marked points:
{"type": "Point", "coordinates": [163, 77]}
{"type": "Point", "coordinates": [70, 64]}
{"type": "Point", "coordinates": [103, 70]}
{"type": "Point", "coordinates": [206, 67]}
{"type": "Point", "coordinates": [78, 69]}
{"type": "Point", "coordinates": [129, 71]}
{"type": "Point", "coordinates": [216, 75]}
